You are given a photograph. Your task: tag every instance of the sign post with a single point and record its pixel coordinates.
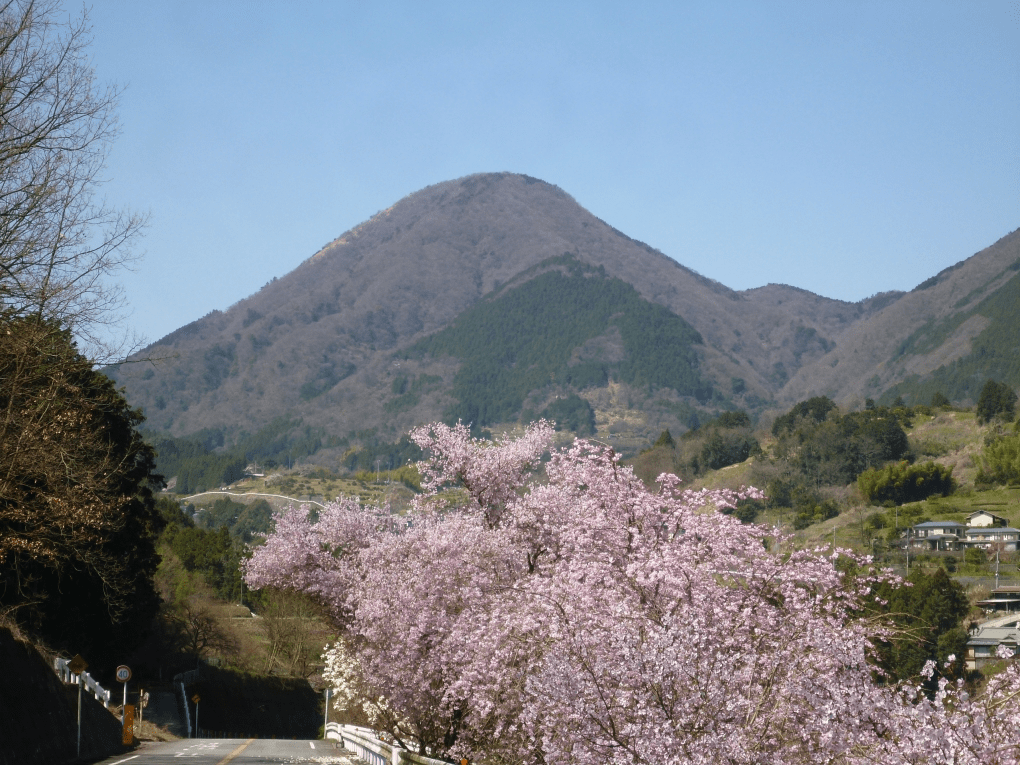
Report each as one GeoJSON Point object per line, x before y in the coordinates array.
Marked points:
{"type": "Point", "coordinates": [123, 675]}
{"type": "Point", "coordinates": [143, 702]}
{"type": "Point", "coordinates": [196, 699]}
{"type": "Point", "coordinates": [77, 665]}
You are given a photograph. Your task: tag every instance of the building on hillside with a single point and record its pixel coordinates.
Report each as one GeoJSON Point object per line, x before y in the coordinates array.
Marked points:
{"type": "Point", "coordinates": [937, 535]}
{"type": "Point", "coordinates": [1002, 599]}
{"type": "Point", "coordinates": [989, 537]}
{"type": "Point", "coordinates": [983, 518]}
{"type": "Point", "coordinates": [986, 638]}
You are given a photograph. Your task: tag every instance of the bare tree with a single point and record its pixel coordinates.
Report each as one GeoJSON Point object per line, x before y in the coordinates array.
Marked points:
{"type": "Point", "coordinates": [295, 636]}
{"type": "Point", "coordinates": [200, 630]}
{"type": "Point", "coordinates": [59, 242]}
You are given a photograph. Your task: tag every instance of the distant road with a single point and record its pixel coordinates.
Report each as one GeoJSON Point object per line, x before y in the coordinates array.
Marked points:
{"type": "Point", "coordinates": [209, 751]}
{"type": "Point", "coordinates": [256, 494]}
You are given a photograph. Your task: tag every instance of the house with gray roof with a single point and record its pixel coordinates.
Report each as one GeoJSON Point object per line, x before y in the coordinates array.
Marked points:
{"type": "Point", "coordinates": [988, 537]}
{"type": "Point", "coordinates": [986, 638]}
{"type": "Point", "coordinates": [937, 535]}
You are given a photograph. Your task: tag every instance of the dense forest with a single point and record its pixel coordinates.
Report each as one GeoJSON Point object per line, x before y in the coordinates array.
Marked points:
{"type": "Point", "coordinates": [571, 326]}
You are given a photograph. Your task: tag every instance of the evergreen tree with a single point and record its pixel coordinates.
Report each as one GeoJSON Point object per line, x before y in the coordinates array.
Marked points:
{"type": "Point", "coordinates": [928, 609]}
{"type": "Point", "coordinates": [996, 400]}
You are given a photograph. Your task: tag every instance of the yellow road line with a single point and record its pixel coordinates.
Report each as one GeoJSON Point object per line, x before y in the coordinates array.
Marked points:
{"type": "Point", "coordinates": [234, 753]}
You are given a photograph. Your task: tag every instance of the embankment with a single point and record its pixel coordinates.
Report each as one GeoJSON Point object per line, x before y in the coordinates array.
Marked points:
{"type": "Point", "coordinates": [39, 714]}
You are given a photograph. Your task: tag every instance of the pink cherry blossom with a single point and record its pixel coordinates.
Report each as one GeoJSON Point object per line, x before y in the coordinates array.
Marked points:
{"type": "Point", "coordinates": [561, 612]}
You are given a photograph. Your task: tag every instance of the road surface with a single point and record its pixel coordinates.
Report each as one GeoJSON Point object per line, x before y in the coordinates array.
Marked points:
{"type": "Point", "coordinates": [233, 751]}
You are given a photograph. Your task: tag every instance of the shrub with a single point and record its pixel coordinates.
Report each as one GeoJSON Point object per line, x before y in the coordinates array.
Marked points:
{"type": "Point", "coordinates": [1000, 462]}
{"type": "Point", "coordinates": [876, 521]}
{"type": "Point", "coordinates": [974, 556]}
{"type": "Point", "coordinates": [814, 511]}
{"type": "Point", "coordinates": [722, 449]}
{"type": "Point", "coordinates": [745, 510]}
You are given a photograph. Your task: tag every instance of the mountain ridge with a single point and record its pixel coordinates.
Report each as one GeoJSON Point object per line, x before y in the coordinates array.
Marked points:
{"type": "Point", "coordinates": [318, 343]}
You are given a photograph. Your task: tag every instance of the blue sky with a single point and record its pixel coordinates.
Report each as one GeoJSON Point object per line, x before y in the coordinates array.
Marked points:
{"type": "Point", "coordinates": [843, 147]}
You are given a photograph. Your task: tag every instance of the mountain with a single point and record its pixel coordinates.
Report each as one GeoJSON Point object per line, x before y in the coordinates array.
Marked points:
{"type": "Point", "coordinates": [949, 334]}
{"type": "Point", "coordinates": [496, 296]}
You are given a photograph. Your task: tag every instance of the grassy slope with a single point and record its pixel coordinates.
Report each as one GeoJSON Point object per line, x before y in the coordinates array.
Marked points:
{"type": "Point", "coordinates": [951, 438]}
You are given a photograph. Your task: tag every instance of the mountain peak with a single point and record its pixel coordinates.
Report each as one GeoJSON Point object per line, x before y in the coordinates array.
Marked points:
{"type": "Point", "coordinates": [327, 342]}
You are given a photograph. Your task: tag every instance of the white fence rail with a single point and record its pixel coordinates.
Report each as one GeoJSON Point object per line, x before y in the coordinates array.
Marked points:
{"type": "Point", "coordinates": [366, 744]}
{"type": "Point", "coordinates": [67, 676]}
{"type": "Point", "coordinates": [180, 689]}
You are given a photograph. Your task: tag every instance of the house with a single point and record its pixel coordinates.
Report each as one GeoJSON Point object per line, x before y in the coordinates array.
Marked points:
{"type": "Point", "coordinates": [983, 518]}
{"type": "Point", "coordinates": [937, 535]}
{"type": "Point", "coordinates": [1002, 599]}
{"type": "Point", "coordinates": [986, 638]}
{"type": "Point", "coordinates": [988, 537]}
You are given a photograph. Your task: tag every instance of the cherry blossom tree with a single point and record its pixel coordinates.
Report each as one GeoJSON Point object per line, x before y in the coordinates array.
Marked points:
{"type": "Point", "coordinates": [561, 612]}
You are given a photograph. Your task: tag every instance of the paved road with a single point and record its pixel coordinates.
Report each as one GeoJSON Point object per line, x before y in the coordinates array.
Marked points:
{"type": "Point", "coordinates": [208, 751]}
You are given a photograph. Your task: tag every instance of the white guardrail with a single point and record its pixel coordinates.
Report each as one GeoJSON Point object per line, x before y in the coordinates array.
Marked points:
{"type": "Point", "coordinates": [67, 676]}
{"type": "Point", "coordinates": [190, 676]}
{"type": "Point", "coordinates": [365, 743]}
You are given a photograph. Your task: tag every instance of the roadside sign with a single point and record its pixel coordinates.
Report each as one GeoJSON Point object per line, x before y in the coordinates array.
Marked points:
{"type": "Point", "coordinates": [77, 665]}
{"type": "Point", "coordinates": [123, 674]}
{"type": "Point", "coordinates": [196, 699]}
{"type": "Point", "coordinates": [145, 699]}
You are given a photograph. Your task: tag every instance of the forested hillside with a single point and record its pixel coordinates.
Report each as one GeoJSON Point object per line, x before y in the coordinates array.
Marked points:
{"type": "Point", "coordinates": [563, 331]}
{"type": "Point", "coordinates": [994, 350]}
{"type": "Point", "coordinates": [952, 332]}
